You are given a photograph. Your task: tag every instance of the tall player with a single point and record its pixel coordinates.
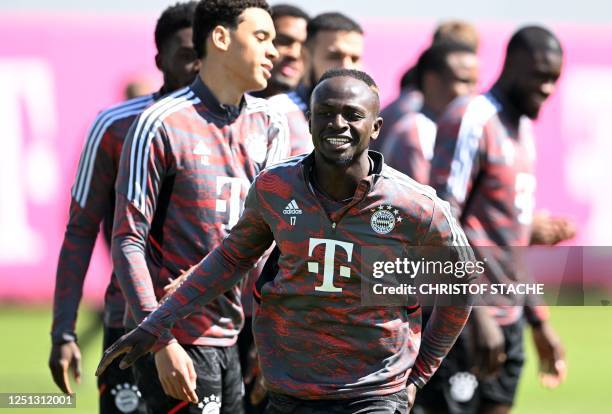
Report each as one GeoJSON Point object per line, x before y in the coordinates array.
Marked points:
{"type": "Point", "coordinates": [321, 350]}
{"type": "Point", "coordinates": [443, 72]}
{"type": "Point", "coordinates": [483, 165]}
{"type": "Point", "coordinates": [185, 169]}
{"type": "Point", "coordinates": [93, 200]}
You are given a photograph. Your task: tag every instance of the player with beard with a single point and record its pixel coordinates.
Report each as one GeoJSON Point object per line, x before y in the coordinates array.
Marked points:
{"type": "Point", "coordinates": [184, 173]}
{"type": "Point", "coordinates": [371, 359]}
{"type": "Point", "coordinates": [334, 41]}
{"type": "Point", "coordinates": [483, 164]}
{"type": "Point", "coordinates": [92, 203]}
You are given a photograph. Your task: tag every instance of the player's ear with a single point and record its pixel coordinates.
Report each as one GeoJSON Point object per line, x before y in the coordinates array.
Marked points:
{"type": "Point", "coordinates": [158, 61]}
{"type": "Point", "coordinates": [220, 37]}
{"type": "Point", "coordinates": [376, 126]}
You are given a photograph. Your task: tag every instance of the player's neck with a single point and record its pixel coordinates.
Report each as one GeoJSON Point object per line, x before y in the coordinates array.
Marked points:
{"type": "Point", "coordinates": [340, 182]}
{"type": "Point", "coordinates": [501, 91]}
{"type": "Point", "coordinates": [220, 83]}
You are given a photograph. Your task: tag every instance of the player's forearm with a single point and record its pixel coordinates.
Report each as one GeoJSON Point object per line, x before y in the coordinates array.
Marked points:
{"type": "Point", "coordinates": [445, 325]}
{"type": "Point", "coordinates": [130, 266]}
{"type": "Point", "coordinates": [75, 255]}
{"type": "Point", "coordinates": [217, 273]}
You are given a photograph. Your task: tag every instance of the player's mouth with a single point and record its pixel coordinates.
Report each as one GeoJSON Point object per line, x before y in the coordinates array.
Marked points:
{"type": "Point", "coordinates": [267, 70]}
{"type": "Point", "coordinates": [338, 142]}
{"type": "Point", "coordinates": [289, 71]}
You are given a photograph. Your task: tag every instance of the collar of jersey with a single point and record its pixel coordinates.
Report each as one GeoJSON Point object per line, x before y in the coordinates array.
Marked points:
{"type": "Point", "coordinates": [212, 103]}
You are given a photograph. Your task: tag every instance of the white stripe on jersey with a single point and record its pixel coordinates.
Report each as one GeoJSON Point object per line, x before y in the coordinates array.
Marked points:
{"type": "Point", "coordinates": [144, 132]}
{"type": "Point", "coordinates": [478, 112]}
{"type": "Point", "coordinates": [80, 189]}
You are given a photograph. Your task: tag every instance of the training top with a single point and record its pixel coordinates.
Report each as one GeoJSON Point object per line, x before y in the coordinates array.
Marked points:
{"type": "Point", "coordinates": [485, 168]}
{"type": "Point", "coordinates": [314, 337]}
{"type": "Point", "coordinates": [409, 100]}
{"type": "Point", "coordinates": [185, 169]}
{"type": "Point", "coordinates": [93, 202]}
{"type": "Point", "coordinates": [299, 134]}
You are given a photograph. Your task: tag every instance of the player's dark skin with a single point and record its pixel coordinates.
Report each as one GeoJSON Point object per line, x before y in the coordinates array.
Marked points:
{"type": "Point", "coordinates": [179, 65]}
{"type": "Point", "coordinates": [527, 80]}
{"type": "Point", "coordinates": [342, 107]}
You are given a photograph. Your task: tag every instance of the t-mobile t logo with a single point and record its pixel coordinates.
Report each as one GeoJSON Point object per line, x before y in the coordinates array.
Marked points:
{"type": "Point", "coordinates": [328, 262]}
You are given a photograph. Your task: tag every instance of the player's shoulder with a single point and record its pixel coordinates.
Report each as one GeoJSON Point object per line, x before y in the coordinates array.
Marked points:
{"type": "Point", "coordinates": [288, 170]}
{"type": "Point", "coordinates": [471, 110]}
{"type": "Point", "coordinates": [165, 107]}
{"type": "Point", "coordinates": [283, 103]}
{"type": "Point", "coordinates": [125, 109]}
{"type": "Point", "coordinates": [407, 186]}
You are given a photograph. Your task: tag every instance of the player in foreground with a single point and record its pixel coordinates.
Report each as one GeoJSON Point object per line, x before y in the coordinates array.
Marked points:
{"type": "Point", "coordinates": [320, 349]}
{"type": "Point", "coordinates": [185, 170]}
{"type": "Point", "coordinates": [483, 165]}
{"type": "Point", "coordinates": [93, 200]}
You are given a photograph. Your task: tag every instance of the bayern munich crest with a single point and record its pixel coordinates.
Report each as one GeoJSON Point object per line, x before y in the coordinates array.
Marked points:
{"type": "Point", "coordinates": [384, 219]}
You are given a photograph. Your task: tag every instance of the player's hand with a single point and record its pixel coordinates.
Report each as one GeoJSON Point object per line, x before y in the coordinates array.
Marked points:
{"type": "Point", "coordinates": [64, 357]}
{"type": "Point", "coordinates": [553, 368]}
{"type": "Point", "coordinates": [549, 230]}
{"type": "Point", "coordinates": [411, 390]}
{"type": "Point", "coordinates": [135, 344]}
{"type": "Point", "coordinates": [489, 343]}
{"type": "Point", "coordinates": [174, 284]}
{"type": "Point", "coordinates": [176, 373]}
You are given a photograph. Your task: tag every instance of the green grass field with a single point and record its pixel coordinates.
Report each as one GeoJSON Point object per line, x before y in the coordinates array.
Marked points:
{"type": "Point", "coordinates": [586, 332]}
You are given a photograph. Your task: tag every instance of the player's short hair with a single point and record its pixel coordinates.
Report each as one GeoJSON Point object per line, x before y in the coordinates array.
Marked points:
{"type": "Point", "coordinates": [351, 73]}
{"type": "Point", "coordinates": [173, 19]}
{"type": "Point", "coordinates": [533, 38]}
{"type": "Point", "coordinates": [288, 10]}
{"type": "Point", "coordinates": [333, 22]}
{"type": "Point", "coordinates": [211, 13]}
{"type": "Point", "coordinates": [457, 31]}
{"type": "Point", "coordinates": [435, 59]}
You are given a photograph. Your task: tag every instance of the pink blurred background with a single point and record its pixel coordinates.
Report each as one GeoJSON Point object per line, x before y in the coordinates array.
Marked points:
{"type": "Point", "coordinates": [57, 72]}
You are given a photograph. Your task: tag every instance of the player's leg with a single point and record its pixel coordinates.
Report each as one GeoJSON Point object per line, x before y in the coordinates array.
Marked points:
{"type": "Point", "coordinates": [497, 394]}
{"type": "Point", "coordinates": [233, 386]}
{"type": "Point", "coordinates": [453, 389]}
{"type": "Point", "coordinates": [117, 387]}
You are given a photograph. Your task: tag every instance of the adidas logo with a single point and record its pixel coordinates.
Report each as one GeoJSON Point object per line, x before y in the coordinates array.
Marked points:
{"type": "Point", "coordinates": [292, 208]}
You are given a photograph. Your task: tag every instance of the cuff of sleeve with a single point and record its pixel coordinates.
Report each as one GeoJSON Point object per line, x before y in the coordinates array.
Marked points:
{"type": "Point", "coordinates": [163, 341]}
{"type": "Point", "coordinates": [417, 380]}
{"type": "Point", "coordinates": [63, 337]}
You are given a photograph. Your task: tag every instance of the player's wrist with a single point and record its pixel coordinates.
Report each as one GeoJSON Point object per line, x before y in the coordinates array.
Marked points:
{"type": "Point", "coordinates": [62, 338]}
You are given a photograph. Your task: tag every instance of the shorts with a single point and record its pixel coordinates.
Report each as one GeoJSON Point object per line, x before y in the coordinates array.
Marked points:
{"type": "Point", "coordinates": [219, 384]}
{"type": "Point", "coordinates": [377, 404]}
{"type": "Point", "coordinates": [454, 389]}
{"type": "Point", "coordinates": [117, 388]}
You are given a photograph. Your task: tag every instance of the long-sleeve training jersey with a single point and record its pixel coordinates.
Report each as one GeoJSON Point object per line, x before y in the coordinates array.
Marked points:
{"type": "Point", "coordinates": [185, 169]}
{"type": "Point", "coordinates": [315, 338]}
{"type": "Point", "coordinates": [92, 203]}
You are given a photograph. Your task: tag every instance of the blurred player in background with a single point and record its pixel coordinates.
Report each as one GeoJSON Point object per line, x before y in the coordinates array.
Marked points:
{"type": "Point", "coordinates": [92, 203]}
{"type": "Point", "coordinates": [321, 350]}
{"type": "Point", "coordinates": [184, 172]}
{"type": "Point", "coordinates": [290, 23]}
{"type": "Point", "coordinates": [443, 72]}
{"type": "Point", "coordinates": [483, 164]}
{"type": "Point", "coordinates": [334, 41]}
{"type": "Point", "coordinates": [410, 98]}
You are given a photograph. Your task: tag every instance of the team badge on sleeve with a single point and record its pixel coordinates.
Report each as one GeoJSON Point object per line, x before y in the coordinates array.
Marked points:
{"type": "Point", "coordinates": [384, 219]}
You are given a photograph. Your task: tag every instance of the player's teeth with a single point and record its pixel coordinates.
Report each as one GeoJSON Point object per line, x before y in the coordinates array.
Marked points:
{"type": "Point", "coordinates": [337, 141]}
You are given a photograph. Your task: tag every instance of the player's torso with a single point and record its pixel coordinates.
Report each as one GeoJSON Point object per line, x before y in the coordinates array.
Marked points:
{"type": "Point", "coordinates": [500, 205]}
{"type": "Point", "coordinates": [314, 307]}
{"type": "Point", "coordinates": [213, 162]}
